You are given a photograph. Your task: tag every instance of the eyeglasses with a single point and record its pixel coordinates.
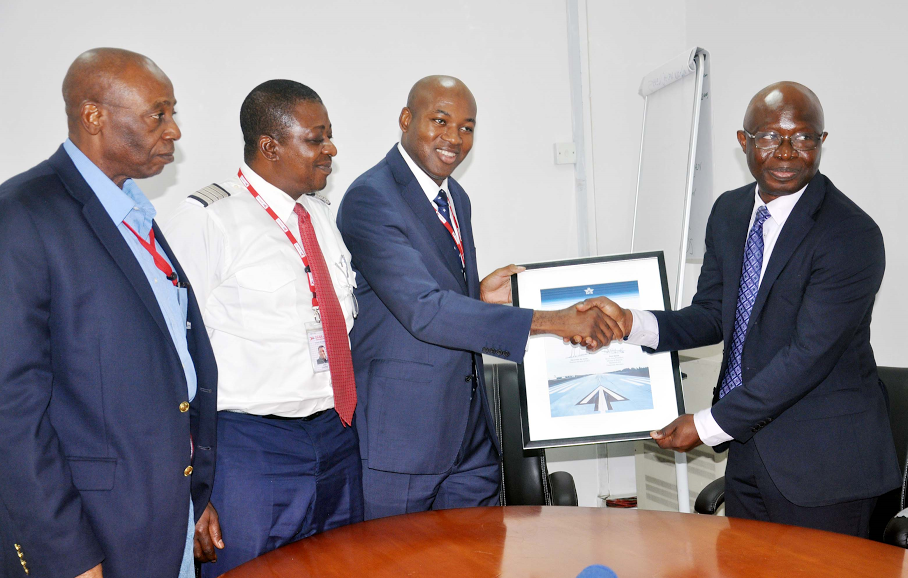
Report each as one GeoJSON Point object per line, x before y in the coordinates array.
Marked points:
{"type": "Point", "coordinates": [802, 141]}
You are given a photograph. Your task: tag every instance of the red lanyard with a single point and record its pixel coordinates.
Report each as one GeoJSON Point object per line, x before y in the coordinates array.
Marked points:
{"type": "Point", "coordinates": [296, 244]}
{"type": "Point", "coordinates": [159, 261]}
{"type": "Point", "coordinates": [455, 230]}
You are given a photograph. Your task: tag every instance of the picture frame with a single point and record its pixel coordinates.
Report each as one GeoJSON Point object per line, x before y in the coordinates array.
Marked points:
{"type": "Point", "coordinates": [570, 396]}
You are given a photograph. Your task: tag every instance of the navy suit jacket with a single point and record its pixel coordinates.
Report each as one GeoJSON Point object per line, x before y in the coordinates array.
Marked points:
{"type": "Point", "coordinates": [421, 325]}
{"type": "Point", "coordinates": [93, 442]}
{"type": "Point", "coordinates": [811, 399]}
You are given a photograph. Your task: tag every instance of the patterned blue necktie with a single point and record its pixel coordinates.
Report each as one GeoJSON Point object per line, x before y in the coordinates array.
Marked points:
{"type": "Point", "coordinates": [442, 202]}
{"type": "Point", "coordinates": [747, 294]}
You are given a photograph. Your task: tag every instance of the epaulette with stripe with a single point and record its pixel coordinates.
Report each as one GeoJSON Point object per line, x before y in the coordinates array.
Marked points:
{"type": "Point", "coordinates": [320, 198]}
{"type": "Point", "coordinates": [208, 195]}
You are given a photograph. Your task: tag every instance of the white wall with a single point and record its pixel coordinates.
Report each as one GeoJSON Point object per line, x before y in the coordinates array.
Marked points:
{"type": "Point", "coordinates": [362, 58]}
{"type": "Point", "coordinates": [850, 54]}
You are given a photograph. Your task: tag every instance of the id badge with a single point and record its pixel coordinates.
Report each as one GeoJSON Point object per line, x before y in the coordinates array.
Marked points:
{"type": "Point", "coordinates": [318, 352]}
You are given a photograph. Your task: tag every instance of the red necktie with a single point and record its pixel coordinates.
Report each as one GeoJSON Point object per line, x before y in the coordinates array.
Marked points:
{"type": "Point", "coordinates": [333, 321]}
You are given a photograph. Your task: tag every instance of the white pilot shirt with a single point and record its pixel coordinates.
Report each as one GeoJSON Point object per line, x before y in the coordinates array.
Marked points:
{"type": "Point", "coordinates": [645, 330]}
{"type": "Point", "coordinates": [253, 291]}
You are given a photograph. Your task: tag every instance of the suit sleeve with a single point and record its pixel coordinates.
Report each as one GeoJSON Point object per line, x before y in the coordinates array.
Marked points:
{"type": "Point", "coordinates": [700, 323]}
{"type": "Point", "coordinates": [846, 274]}
{"type": "Point", "coordinates": [36, 488]}
{"type": "Point", "coordinates": [384, 254]}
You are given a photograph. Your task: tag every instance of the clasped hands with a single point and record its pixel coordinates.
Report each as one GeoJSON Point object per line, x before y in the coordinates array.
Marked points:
{"type": "Point", "coordinates": [594, 323]}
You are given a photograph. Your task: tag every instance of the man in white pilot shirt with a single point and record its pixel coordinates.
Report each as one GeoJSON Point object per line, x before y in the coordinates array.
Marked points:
{"type": "Point", "coordinates": [288, 465]}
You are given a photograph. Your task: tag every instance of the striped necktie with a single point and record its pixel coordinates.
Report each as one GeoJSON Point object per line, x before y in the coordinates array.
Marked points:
{"type": "Point", "coordinates": [747, 294]}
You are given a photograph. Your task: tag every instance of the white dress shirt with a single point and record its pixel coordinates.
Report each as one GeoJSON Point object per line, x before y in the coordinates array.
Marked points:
{"type": "Point", "coordinates": [254, 294]}
{"type": "Point", "coordinates": [645, 330]}
{"type": "Point", "coordinates": [430, 188]}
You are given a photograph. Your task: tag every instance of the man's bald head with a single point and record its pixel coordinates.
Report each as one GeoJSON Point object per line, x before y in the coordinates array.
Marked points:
{"type": "Point", "coordinates": [101, 75]}
{"type": "Point", "coordinates": [425, 89]}
{"type": "Point", "coordinates": [782, 138]}
{"type": "Point", "coordinates": [437, 125]}
{"type": "Point", "coordinates": [785, 96]}
{"type": "Point", "coordinates": [119, 108]}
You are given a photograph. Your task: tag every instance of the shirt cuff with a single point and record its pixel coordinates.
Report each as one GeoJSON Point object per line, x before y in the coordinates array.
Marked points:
{"type": "Point", "coordinates": [709, 431]}
{"type": "Point", "coordinates": [645, 331]}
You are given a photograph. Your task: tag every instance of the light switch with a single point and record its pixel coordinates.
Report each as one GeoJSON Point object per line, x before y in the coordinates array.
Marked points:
{"type": "Point", "coordinates": [565, 153]}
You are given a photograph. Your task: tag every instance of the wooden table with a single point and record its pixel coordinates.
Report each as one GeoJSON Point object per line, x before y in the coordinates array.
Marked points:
{"type": "Point", "coordinates": [533, 541]}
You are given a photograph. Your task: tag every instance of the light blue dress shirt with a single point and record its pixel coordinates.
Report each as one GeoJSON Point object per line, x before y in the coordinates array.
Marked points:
{"type": "Point", "coordinates": [130, 205]}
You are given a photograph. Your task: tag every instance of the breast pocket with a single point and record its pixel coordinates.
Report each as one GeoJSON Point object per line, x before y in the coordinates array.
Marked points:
{"type": "Point", "coordinates": [267, 290]}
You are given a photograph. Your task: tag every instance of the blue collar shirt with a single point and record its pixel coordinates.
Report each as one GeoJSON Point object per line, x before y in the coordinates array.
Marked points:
{"type": "Point", "coordinates": [130, 205]}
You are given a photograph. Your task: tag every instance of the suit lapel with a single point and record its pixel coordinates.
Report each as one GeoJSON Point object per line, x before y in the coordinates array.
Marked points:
{"type": "Point", "coordinates": [798, 224]}
{"type": "Point", "coordinates": [415, 198]}
{"type": "Point", "coordinates": [739, 221]}
{"type": "Point", "coordinates": [108, 234]}
{"type": "Point", "coordinates": [462, 206]}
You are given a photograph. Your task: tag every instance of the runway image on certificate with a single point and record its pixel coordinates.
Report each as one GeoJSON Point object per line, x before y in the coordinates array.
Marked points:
{"type": "Point", "coordinates": [615, 378]}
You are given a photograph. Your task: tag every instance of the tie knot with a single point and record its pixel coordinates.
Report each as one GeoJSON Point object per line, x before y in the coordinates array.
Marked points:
{"type": "Point", "coordinates": [300, 211]}
{"type": "Point", "coordinates": [762, 214]}
{"type": "Point", "coordinates": [442, 199]}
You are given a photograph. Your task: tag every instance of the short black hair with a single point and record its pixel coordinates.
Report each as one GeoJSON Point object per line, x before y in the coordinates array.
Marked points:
{"type": "Point", "coordinates": [268, 110]}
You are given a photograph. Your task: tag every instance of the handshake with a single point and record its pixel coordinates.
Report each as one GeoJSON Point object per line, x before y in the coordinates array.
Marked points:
{"type": "Point", "coordinates": [593, 323]}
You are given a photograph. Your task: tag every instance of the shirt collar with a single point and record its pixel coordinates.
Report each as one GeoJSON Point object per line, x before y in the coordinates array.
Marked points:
{"type": "Point", "coordinates": [425, 181]}
{"type": "Point", "coordinates": [780, 207]}
{"type": "Point", "coordinates": [279, 201]}
{"type": "Point", "coordinates": [127, 204]}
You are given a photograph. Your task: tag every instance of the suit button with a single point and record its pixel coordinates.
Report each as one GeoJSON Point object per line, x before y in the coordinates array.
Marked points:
{"type": "Point", "coordinates": [184, 407]}
{"type": "Point", "coordinates": [187, 471]}
{"type": "Point", "coordinates": [507, 353]}
{"type": "Point", "coordinates": [755, 429]}
{"type": "Point", "coordinates": [468, 378]}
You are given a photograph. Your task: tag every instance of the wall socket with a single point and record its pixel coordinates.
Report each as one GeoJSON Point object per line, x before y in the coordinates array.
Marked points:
{"type": "Point", "coordinates": [565, 153]}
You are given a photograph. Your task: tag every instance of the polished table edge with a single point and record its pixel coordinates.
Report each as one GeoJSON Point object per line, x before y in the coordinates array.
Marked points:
{"type": "Point", "coordinates": [522, 524]}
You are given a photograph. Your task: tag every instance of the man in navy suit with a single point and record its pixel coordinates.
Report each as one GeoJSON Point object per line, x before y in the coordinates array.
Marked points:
{"type": "Point", "coordinates": [791, 270]}
{"type": "Point", "coordinates": [426, 434]}
{"type": "Point", "coordinates": [107, 378]}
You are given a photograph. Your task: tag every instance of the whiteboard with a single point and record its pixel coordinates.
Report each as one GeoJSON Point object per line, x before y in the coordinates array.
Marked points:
{"type": "Point", "coordinates": [674, 192]}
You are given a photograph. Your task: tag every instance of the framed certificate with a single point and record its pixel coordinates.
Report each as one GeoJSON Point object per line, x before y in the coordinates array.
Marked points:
{"type": "Point", "coordinates": [570, 396]}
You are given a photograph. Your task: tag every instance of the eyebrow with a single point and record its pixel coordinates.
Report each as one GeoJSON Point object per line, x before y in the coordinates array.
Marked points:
{"type": "Point", "coordinates": [163, 102]}
{"type": "Point", "coordinates": [446, 113]}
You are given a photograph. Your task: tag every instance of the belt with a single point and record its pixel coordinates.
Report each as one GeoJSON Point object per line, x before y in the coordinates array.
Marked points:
{"type": "Point", "coordinates": [306, 418]}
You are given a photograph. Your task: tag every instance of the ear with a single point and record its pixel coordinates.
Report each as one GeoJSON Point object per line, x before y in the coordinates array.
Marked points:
{"type": "Point", "coordinates": [405, 117]}
{"type": "Point", "coordinates": [742, 140]}
{"type": "Point", "coordinates": [268, 148]}
{"type": "Point", "coordinates": [91, 118]}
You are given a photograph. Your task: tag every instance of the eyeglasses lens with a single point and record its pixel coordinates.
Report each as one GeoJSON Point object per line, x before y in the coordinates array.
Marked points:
{"type": "Point", "coordinates": [801, 141]}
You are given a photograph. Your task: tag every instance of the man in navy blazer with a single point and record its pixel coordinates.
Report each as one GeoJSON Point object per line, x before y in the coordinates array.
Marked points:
{"type": "Point", "coordinates": [798, 395]}
{"type": "Point", "coordinates": [426, 434]}
{"type": "Point", "coordinates": [107, 378]}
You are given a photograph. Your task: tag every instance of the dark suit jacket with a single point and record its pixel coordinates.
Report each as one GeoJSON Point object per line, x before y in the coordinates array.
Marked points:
{"type": "Point", "coordinates": [811, 399]}
{"type": "Point", "coordinates": [421, 326]}
{"type": "Point", "coordinates": [93, 443]}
